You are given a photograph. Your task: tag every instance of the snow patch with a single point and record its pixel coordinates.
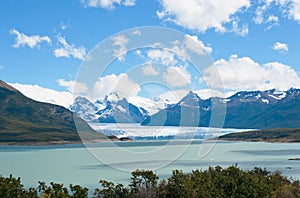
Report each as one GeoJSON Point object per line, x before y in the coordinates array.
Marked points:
{"type": "Point", "coordinates": [226, 100]}
{"type": "Point", "coordinates": [275, 97]}
{"type": "Point", "coordinates": [283, 95]}
{"type": "Point", "coordinates": [120, 108]}
{"type": "Point", "coordinates": [265, 101]}
{"type": "Point", "coordinates": [258, 96]}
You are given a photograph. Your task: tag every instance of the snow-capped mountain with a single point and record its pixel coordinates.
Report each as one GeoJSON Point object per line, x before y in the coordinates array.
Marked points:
{"type": "Point", "coordinates": [110, 109]}
{"type": "Point", "coordinates": [85, 109]}
{"type": "Point", "coordinates": [152, 106]}
{"type": "Point", "coordinates": [246, 109]}
{"type": "Point", "coordinates": [268, 97]}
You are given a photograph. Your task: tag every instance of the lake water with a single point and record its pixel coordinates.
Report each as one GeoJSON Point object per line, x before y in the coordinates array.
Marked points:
{"type": "Point", "coordinates": [78, 165]}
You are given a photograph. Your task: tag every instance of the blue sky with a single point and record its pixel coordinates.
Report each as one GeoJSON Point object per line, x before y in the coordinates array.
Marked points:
{"type": "Point", "coordinates": [254, 44]}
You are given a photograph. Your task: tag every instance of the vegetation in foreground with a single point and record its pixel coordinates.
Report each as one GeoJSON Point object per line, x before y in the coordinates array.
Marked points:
{"type": "Point", "coordinates": [266, 135]}
{"type": "Point", "coordinates": [214, 182]}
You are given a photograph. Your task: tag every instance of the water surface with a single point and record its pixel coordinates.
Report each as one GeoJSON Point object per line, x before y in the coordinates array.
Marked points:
{"type": "Point", "coordinates": [75, 164]}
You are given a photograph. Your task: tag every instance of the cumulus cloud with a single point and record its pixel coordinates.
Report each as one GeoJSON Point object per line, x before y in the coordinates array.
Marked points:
{"type": "Point", "coordinates": [177, 76]}
{"type": "Point", "coordinates": [38, 93]}
{"type": "Point", "coordinates": [177, 53]}
{"type": "Point", "coordinates": [73, 86]}
{"type": "Point", "coordinates": [69, 50]}
{"type": "Point", "coordinates": [136, 32]}
{"type": "Point", "coordinates": [196, 45]}
{"type": "Point", "coordinates": [241, 31]}
{"type": "Point", "coordinates": [149, 70]}
{"type": "Point", "coordinates": [107, 4]}
{"type": "Point", "coordinates": [120, 42]}
{"type": "Point", "coordinates": [121, 84]}
{"type": "Point", "coordinates": [282, 47]}
{"type": "Point", "coordinates": [201, 15]}
{"type": "Point", "coordinates": [272, 18]}
{"type": "Point", "coordinates": [31, 41]}
{"type": "Point", "coordinates": [260, 11]}
{"type": "Point", "coordinates": [293, 9]}
{"type": "Point", "coordinates": [190, 43]}
{"type": "Point", "coordinates": [163, 56]}
{"type": "Point", "coordinates": [289, 9]}
{"type": "Point", "coordinates": [246, 74]}
{"type": "Point", "coordinates": [263, 17]}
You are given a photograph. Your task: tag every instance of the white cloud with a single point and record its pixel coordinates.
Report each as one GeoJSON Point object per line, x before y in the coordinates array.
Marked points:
{"type": "Point", "coordinates": [241, 31]}
{"type": "Point", "coordinates": [64, 26]}
{"type": "Point", "coordinates": [149, 70]}
{"type": "Point", "coordinates": [272, 21]}
{"type": "Point", "coordinates": [177, 76]}
{"type": "Point", "coordinates": [262, 17]}
{"type": "Point", "coordinates": [129, 2]}
{"type": "Point", "coordinates": [136, 32]}
{"type": "Point", "coordinates": [69, 50]}
{"type": "Point", "coordinates": [1, 67]}
{"type": "Point", "coordinates": [201, 15]}
{"type": "Point", "coordinates": [163, 56]}
{"type": "Point", "coordinates": [31, 41]}
{"type": "Point", "coordinates": [196, 45]}
{"type": "Point", "coordinates": [289, 8]}
{"type": "Point", "coordinates": [260, 11]}
{"type": "Point", "coordinates": [181, 49]}
{"type": "Point", "coordinates": [107, 4]}
{"type": "Point", "coordinates": [35, 92]}
{"type": "Point", "coordinates": [272, 18]}
{"type": "Point", "coordinates": [122, 84]}
{"type": "Point", "coordinates": [246, 74]}
{"type": "Point", "coordinates": [73, 86]}
{"type": "Point", "coordinates": [293, 9]}
{"type": "Point", "coordinates": [282, 47]}
{"type": "Point", "coordinates": [120, 42]}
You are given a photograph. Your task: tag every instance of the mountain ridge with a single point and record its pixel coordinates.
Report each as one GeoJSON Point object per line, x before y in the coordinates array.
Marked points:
{"type": "Point", "coordinates": [25, 120]}
{"type": "Point", "coordinates": [108, 110]}
{"type": "Point", "coordinates": [244, 109]}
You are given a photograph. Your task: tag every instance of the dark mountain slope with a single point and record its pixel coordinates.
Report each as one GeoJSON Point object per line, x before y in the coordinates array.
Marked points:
{"type": "Point", "coordinates": [25, 120]}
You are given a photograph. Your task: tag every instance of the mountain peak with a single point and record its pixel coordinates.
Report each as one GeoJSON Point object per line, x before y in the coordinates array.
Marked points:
{"type": "Point", "coordinates": [113, 96]}
{"type": "Point", "coordinates": [191, 96]}
{"type": "Point", "coordinates": [6, 86]}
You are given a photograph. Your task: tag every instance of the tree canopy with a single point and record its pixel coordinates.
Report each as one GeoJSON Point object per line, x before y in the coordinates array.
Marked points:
{"type": "Point", "coordinates": [213, 182]}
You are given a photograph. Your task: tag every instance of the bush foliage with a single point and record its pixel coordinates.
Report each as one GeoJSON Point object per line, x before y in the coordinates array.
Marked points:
{"type": "Point", "coordinates": [213, 182]}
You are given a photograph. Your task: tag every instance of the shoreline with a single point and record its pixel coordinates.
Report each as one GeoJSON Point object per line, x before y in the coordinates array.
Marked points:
{"type": "Point", "coordinates": [62, 142]}
{"type": "Point", "coordinates": [260, 140]}
{"type": "Point", "coordinates": [51, 143]}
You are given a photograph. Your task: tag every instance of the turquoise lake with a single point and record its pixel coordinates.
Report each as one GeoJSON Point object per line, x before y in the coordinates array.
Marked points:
{"type": "Point", "coordinates": [78, 165]}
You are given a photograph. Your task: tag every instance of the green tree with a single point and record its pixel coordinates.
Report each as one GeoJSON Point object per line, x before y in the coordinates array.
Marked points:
{"type": "Point", "coordinates": [143, 183]}
{"type": "Point", "coordinates": [110, 190]}
{"type": "Point", "coordinates": [11, 187]}
{"type": "Point", "coordinates": [78, 191]}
